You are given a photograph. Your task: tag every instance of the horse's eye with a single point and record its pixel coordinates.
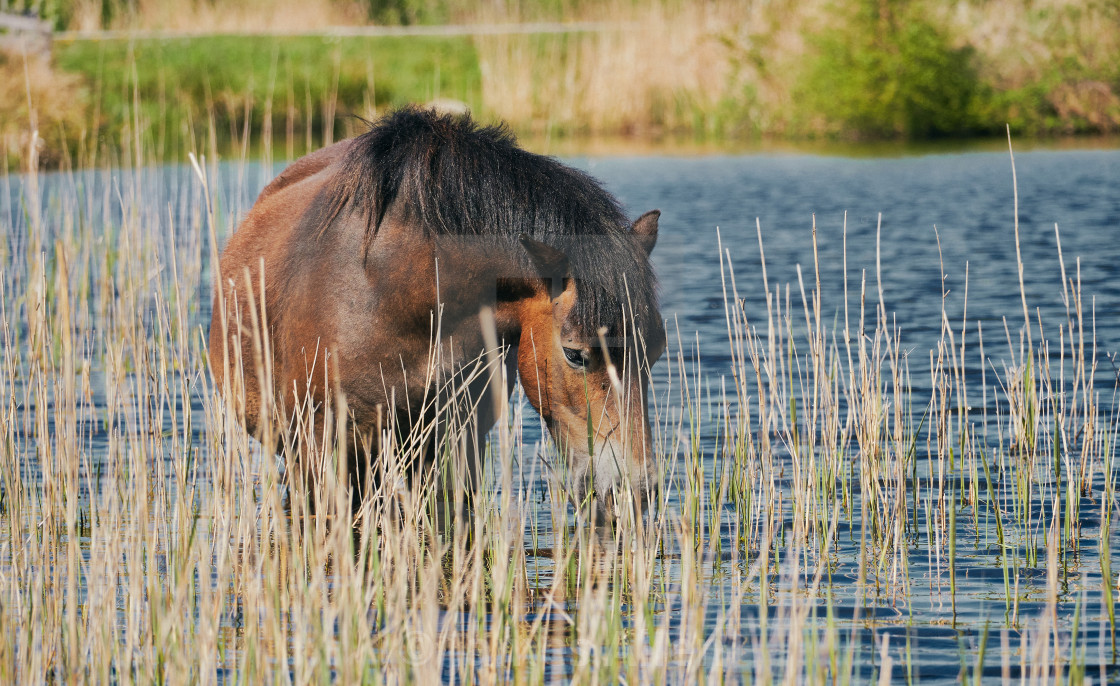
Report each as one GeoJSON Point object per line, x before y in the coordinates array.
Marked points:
{"type": "Point", "coordinates": [577, 357]}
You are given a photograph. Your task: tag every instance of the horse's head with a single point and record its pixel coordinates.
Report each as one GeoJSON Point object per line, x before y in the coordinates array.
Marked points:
{"type": "Point", "coordinates": [586, 369]}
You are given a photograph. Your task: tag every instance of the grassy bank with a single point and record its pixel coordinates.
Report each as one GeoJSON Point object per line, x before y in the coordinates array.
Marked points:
{"type": "Point", "coordinates": [718, 71]}
{"type": "Point", "coordinates": [218, 93]}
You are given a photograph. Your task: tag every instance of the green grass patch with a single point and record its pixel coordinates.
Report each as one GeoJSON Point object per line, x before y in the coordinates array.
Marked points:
{"type": "Point", "coordinates": [173, 92]}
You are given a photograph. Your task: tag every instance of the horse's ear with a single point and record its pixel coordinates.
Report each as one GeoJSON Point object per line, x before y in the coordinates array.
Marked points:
{"type": "Point", "coordinates": [645, 229]}
{"type": "Point", "coordinates": [550, 262]}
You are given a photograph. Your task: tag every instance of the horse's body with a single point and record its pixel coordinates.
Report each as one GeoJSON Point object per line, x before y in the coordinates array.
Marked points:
{"type": "Point", "coordinates": [375, 247]}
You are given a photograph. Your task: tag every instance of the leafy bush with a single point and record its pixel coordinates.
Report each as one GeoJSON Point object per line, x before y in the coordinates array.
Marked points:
{"type": "Point", "coordinates": [878, 74]}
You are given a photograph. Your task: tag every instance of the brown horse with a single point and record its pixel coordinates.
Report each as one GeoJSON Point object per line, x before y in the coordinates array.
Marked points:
{"type": "Point", "coordinates": [381, 265]}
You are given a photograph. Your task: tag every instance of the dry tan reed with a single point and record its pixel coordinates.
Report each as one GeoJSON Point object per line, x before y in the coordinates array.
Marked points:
{"type": "Point", "coordinates": [666, 68]}
{"type": "Point", "coordinates": [1018, 44]}
{"type": "Point", "coordinates": [35, 97]}
{"type": "Point", "coordinates": [625, 81]}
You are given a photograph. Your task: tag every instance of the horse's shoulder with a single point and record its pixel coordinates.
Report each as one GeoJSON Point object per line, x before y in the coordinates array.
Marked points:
{"type": "Point", "coordinates": [268, 227]}
{"type": "Point", "coordinates": [306, 166]}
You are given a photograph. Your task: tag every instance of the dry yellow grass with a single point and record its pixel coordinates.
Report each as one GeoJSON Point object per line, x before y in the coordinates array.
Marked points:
{"type": "Point", "coordinates": [1020, 40]}
{"type": "Point", "coordinates": [1019, 43]}
{"type": "Point", "coordinates": [662, 64]}
{"type": "Point", "coordinates": [35, 97]}
{"type": "Point", "coordinates": [734, 67]}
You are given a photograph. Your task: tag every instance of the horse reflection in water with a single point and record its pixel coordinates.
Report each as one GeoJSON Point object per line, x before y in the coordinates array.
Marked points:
{"type": "Point", "coordinates": [384, 268]}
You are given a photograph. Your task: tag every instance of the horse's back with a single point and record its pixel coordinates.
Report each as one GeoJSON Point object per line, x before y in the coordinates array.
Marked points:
{"type": "Point", "coordinates": [280, 206]}
{"type": "Point", "coordinates": [307, 166]}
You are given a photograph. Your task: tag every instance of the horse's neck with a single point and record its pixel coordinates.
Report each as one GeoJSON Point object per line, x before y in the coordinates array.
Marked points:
{"type": "Point", "coordinates": [455, 291]}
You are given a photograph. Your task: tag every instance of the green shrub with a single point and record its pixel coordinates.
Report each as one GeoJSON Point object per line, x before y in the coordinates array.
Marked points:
{"type": "Point", "coordinates": [878, 73]}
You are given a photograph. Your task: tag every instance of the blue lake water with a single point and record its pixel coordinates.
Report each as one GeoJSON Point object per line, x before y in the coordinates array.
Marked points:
{"type": "Point", "coordinates": [938, 227]}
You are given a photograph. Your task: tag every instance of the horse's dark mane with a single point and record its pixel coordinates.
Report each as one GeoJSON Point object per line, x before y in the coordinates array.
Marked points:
{"type": "Point", "coordinates": [452, 176]}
